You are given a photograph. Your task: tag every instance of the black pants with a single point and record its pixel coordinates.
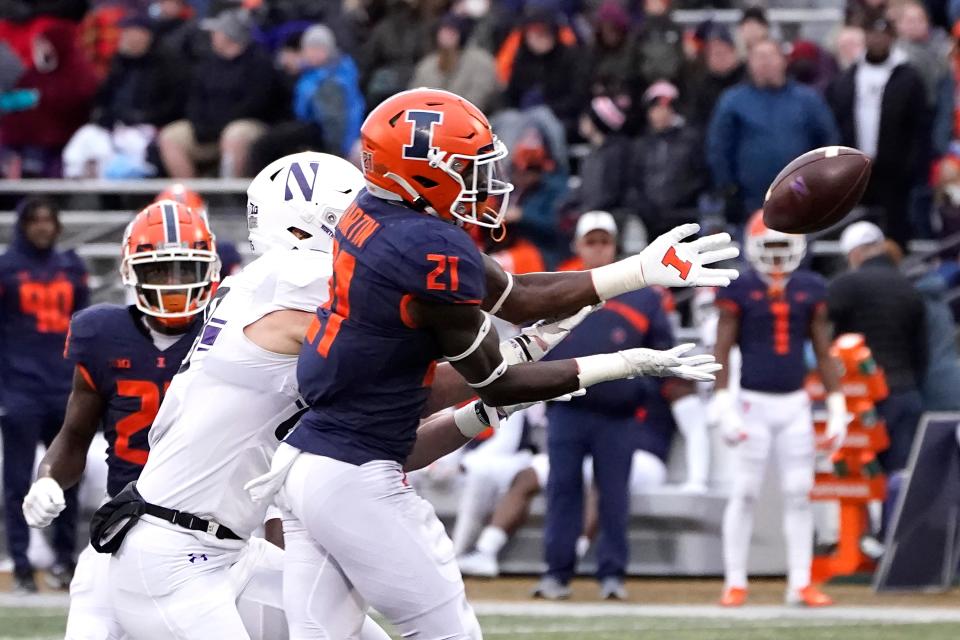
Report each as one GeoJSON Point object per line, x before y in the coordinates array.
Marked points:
{"type": "Point", "coordinates": [29, 420]}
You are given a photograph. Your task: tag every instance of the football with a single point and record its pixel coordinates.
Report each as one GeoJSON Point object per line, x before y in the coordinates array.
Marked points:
{"type": "Point", "coordinates": [816, 190]}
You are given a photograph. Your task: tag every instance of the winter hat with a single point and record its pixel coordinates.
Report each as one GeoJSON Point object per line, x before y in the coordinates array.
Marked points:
{"type": "Point", "coordinates": [612, 13]}
{"type": "Point", "coordinates": [320, 36]}
{"type": "Point", "coordinates": [606, 114]}
{"type": "Point", "coordinates": [660, 92]}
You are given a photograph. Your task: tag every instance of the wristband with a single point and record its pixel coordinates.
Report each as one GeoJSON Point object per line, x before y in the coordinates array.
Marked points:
{"type": "Point", "coordinates": [602, 368]}
{"type": "Point", "coordinates": [618, 278]}
{"type": "Point", "coordinates": [471, 419]}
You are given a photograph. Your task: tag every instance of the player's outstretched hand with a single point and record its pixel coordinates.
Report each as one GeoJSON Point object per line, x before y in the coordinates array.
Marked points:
{"type": "Point", "coordinates": [670, 262]}
{"type": "Point", "coordinates": [672, 363]}
{"type": "Point", "coordinates": [537, 340]}
{"type": "Point", "coordinates": [43, 503]}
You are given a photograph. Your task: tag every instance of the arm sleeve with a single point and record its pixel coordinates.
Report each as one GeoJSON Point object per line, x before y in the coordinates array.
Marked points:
{"type": "Point", "coordinates": [444, 266]}
{"type": "Point", "coordinates": [81, 349]}
{"type": "Point", "coordinates": [721, 143]}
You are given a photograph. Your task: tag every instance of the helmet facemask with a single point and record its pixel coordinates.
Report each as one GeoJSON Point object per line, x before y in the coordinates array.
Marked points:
{"type": "Point", "coordinates": [172, 285]}
{"type": "Point", "coordinates": [775, 253]}
{"type": "Point", "coordinates": [484, 194]}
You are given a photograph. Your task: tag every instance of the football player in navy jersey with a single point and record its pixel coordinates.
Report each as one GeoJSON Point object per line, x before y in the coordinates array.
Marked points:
{"type": "Point", "coordinates": [771, 312]}
{"type": "Point", "coordinates": [41, 286]}
{"type": "Point", "coordinates": [123, 360]}
{"type": "Point", "coordinates": [410, 288]}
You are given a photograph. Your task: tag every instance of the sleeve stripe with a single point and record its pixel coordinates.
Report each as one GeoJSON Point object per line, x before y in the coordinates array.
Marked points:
{"type": "Point", "coordinates": [86, 376]}
{"type": "Point", "coordinates": [639, 321]}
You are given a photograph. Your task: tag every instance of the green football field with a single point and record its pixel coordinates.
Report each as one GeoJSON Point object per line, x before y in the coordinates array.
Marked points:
{"type": "Point", "coordinates": [546, 622]}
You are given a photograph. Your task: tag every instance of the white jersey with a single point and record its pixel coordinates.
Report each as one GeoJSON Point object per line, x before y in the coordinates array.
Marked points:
{"type": "Point", "coordinates": [217, 427]}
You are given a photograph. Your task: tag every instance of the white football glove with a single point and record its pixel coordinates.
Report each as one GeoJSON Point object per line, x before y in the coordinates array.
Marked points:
{"type": "Point", "coordinates": [472, 419]}
{"type": "Point", "coordinates": [43, 503]}
{"type": "Point", "coordinates": [722, 413]}
{"type": "Point", "coordinates": [837, 420]}
{"type": "Point", "coordinates": [668, 262]}
{"type": "Point", "coordinates": [647, 362]}
{"type": "Point", "coordinates": [537, 340]}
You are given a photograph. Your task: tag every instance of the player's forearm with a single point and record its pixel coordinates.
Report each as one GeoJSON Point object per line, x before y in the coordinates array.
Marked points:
{"type": "Point", "coordinates": [542, 295]}
{"type": "Point", "coordinates": [436, 437]}
{"type": "Point", "coordinates": [532, 382]}
{"type": "Point", "coordinates": [66, 459]}
{"type": "Point", "coordinates": [448, 389]}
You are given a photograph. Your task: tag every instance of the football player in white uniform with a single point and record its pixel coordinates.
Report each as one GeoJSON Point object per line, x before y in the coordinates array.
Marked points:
{"type": "Point", "coordinates": [192, 569]}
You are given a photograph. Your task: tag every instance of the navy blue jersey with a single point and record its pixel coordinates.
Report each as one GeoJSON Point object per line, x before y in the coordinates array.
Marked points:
{"type": "Point", "coordinates": [365, 369]}
{"type": "Point", "coordinates": [774, 326]}
{"type": "Point", "coordinates": [656, 427]}
{"type": "Point", "coordinates": [635, 319]}
{"type": "Point", "coordinates": [113, 350]}
{"type": "Point", "coordinates": [39, 291]}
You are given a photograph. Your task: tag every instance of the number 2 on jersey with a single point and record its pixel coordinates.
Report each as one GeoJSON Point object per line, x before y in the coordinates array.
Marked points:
{"type": "Point", "coordinates": [149, 395]}
{"type": "Point", "coordinates": [445, 265]}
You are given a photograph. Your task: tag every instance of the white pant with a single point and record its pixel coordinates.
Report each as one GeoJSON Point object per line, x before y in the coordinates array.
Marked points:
{"type": "Point", "coordinates": [91, 614]}
{"type": "Point", "coordinates": [781, 421]}
{"type": "Point", "coordinates": [359, 536]}
{"type": "Point", "coordinates": [166, 584]}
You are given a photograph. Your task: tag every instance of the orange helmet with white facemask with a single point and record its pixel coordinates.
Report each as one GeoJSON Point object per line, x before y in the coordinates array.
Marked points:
{"type": "Point", "coordinates": [170, 258]}
{"type": "Point", "coordinates": [179, 193]}
{"type": "Point", "coordinates": [772, 252]}
{"type": "Point", "coordinates": [436, 152]}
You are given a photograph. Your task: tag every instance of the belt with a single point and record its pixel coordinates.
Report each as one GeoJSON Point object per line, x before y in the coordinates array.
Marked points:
{"type": "Point", "coordinates": [191, 522]}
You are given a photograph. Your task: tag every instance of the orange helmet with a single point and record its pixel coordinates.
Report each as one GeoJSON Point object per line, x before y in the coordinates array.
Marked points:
{"type": "Point", "coordinates": [179, 193]}
{"type": "Point", "coordinates": [170, 258]}
{"type": "Point", "coordinates": [435, 151]}
{"type": "Point", "coordinates": [772, 252]}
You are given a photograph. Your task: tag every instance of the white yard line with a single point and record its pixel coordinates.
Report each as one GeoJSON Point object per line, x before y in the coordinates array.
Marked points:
{"type": "Point", "coordinates": [586, 610]}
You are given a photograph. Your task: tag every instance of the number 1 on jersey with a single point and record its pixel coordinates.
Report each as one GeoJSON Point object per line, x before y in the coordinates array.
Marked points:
{"type": "Point", "coordinates": [445, 265]}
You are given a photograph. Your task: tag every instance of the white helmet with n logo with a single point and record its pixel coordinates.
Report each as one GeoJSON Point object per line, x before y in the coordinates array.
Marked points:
{"type": "Point", "coordinates": [296, 201]}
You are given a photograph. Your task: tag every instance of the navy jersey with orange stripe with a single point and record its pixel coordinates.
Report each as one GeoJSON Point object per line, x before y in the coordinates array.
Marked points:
{"type": "Point", "coordinates": [635, 319]}
{"type": "Point", "coordinates": [774, 327]}
{"type": "Point", "coordinates": [112, 348]}
{"type": "Point", "coordinates": [364, 369]}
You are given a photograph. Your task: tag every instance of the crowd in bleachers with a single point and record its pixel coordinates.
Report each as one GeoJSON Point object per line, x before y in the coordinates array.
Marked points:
{"type": "Point", "coordinates": [656, 121]}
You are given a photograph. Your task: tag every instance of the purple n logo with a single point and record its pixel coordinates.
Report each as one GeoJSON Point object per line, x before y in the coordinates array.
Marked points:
{"type": "Point", "coordinates": [306, 186]}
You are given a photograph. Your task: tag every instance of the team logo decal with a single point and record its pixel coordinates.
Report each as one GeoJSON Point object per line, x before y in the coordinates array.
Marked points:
{"type": "Point", "coordinates": [421, 135]}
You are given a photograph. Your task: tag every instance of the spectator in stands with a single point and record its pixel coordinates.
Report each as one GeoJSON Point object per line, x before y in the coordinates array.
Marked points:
{"type": "Point", "coordinates": [228, 99]}
{"type": "Point", "coordinates": [40, 288]}
{"type": "Point", "coordinates": [875, 299]}
{"type": "Point", "coordinates": [141, 94]}
{"type": "Point", "coordinates": [539, 185]}
{"type": "Point", "coordinates": [33, 140]}
{"type": "Point", "coordinates": [719, 69]}
{"type": "Point", "coordinates": [811, 65]}
{"type": "Point", "coordinates": [457, 66]}
{"type": "Point", "coordinates": [761, 125]}
{"type": "Point", "coordinates": [661, 43]}
{"type": "Point", "coordinates": [851, 43]}
{"type": "Point", "coordinates": [946, 199]}
{"type": "Point", "coordinates": [24, 10]}
{"type": "Point", "coordinates": [605, 175]}
{"type": "Point", "coordinates": [99, 34]}
{"type": "Point", "coordinates": [328, 90]}
{"type": "Point", "coordinates": [177, 31]}
{"type": "Point", "coordinates": [753, 27]}
{"type": "Point", "coordinates": [327, 103]}
{"type": "Point", "coordinates": [861, 12]}
{"type": "Point", "coordinates": [547, 71]}
{"type": "Point", "coordinates": [876, 107]}
{"type": "Point", "coordinates": [515, 253]}
{"type": "Point", "coordinates": [615, 55]}
{"type": "Point", "coordinates": [397, 42]}
{"type": "Point", "coordinates": [929, 53]}
{"type": "Point", "coordinates": [599, 425]}
{"type": "Point", "coordinates": [668, 171]}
